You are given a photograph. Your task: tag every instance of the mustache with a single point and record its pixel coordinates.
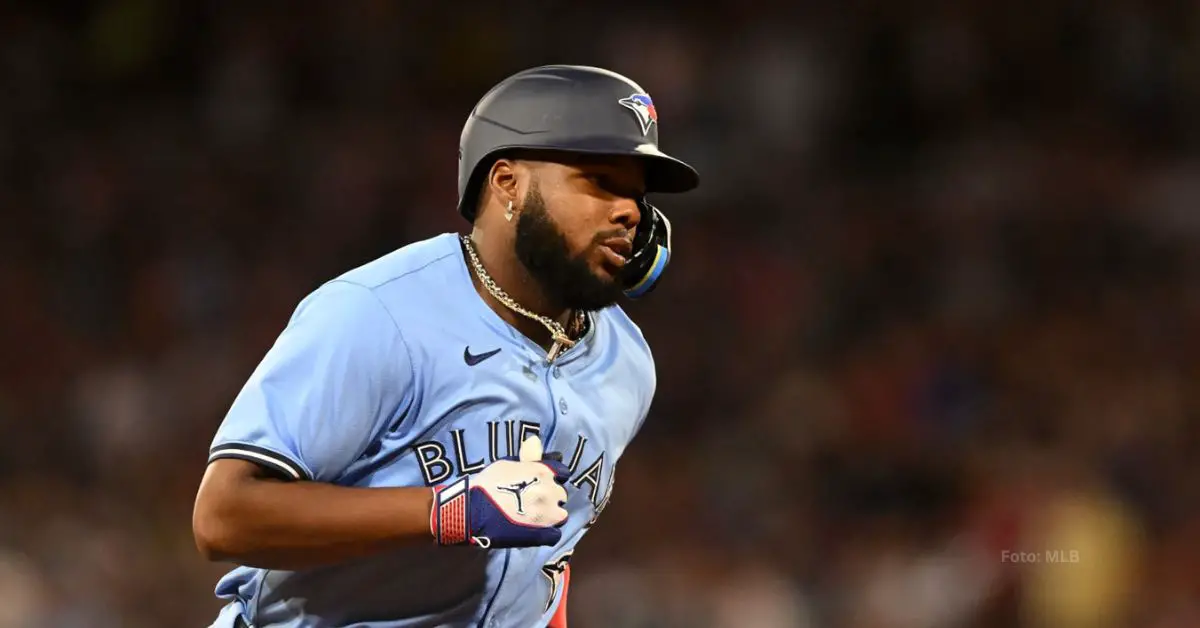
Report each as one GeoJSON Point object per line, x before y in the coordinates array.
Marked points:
{"type": "Point", "coordinates": [627, 234]}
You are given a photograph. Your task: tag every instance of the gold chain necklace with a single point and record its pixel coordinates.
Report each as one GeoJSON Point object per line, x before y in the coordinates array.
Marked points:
{"type": "Point", "coordinates": [562, 340]}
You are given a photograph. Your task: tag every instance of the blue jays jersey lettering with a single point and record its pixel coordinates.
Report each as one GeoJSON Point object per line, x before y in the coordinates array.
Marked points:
{"type": "Point", "coordinates": [397, 373]}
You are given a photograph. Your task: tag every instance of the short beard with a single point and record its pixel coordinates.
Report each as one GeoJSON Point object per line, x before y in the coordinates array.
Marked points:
{"type": "Point", "coordinates": [543, 250]}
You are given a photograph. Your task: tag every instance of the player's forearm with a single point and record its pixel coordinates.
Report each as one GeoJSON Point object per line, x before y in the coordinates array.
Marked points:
{"type": "Point", "coordinates": [294, 525]}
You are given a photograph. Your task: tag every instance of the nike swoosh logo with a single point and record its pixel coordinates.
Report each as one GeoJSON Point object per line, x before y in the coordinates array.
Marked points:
{"type": "Point", "coordinates": [472, 360]}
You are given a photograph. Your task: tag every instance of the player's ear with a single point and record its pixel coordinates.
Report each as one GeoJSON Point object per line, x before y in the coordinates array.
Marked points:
{"type": "Point", "coordinates": [503, 179]}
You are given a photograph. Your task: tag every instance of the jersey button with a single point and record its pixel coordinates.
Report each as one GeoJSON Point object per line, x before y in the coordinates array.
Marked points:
{"type": "Point", "coordinates": [557, 373]}
{"type": "Point", "coordinates": [562, 405]}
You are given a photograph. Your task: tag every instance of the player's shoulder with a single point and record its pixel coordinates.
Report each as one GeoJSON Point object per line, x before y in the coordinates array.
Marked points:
{"type": "Point", "coordinates": [414, 277]}
{"type": "Point", "coordinates": [394, 283]}
{"type": "Point", "coordinates": [629, 353]}
{"type": "Point", "coordinates": [631, 342]}
{"type": "Point", "coordinates": [420, 260]}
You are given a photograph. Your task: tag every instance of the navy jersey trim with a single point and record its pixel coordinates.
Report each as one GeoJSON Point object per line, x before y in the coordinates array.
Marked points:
{"type": "Point", "coordinates": [270, 460]}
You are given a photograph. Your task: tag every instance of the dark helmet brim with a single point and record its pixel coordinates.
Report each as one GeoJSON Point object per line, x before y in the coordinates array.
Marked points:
{"type": "Point", "coordinates": [667, 174]}
{"type": "Point", "coordinates": [664, 173]}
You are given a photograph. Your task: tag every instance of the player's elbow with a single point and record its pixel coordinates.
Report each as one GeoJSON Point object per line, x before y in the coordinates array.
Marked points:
{"type": "Point", "coordinates": [214, 538]}
{"type": "Point", "coordinates": [214, 527]}
{"type": "Point", "coordinates": [214, 517]}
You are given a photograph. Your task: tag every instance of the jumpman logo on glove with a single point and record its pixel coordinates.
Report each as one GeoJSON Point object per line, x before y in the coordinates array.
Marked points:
{"type": "Point", "coordinates": [518, 489]}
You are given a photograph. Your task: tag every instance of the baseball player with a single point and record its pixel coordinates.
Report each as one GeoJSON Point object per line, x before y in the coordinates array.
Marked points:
{"type": "Point", "coordinates": [433, 432]}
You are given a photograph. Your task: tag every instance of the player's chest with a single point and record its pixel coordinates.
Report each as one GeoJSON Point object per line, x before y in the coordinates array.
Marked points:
{"type": "Point", "coordinates": [477, 407]}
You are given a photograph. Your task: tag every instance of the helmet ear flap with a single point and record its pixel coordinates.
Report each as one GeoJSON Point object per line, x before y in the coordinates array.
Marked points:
{"type": "Point", "coordinates": [652, 252]}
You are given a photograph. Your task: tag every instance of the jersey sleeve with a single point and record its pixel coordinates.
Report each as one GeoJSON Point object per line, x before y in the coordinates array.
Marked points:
{"type": "Point", "coordinates": [335, 379]}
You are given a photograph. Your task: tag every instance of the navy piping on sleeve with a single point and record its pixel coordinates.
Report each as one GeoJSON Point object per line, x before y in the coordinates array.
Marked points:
{"type": "Point", "coordinates": [272, 461]}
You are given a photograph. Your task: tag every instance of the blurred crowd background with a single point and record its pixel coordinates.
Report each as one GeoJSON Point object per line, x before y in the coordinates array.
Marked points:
{"type": "Point", "coordinates": [937, 301]}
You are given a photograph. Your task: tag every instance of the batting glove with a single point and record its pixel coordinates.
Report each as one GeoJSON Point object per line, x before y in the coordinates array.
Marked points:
{"type": "Point", "coordinates": [511, 503]}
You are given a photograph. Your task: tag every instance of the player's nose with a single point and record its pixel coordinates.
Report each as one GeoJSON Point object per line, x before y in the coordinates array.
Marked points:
{"type": "Point", "coordinates": [627, 213]}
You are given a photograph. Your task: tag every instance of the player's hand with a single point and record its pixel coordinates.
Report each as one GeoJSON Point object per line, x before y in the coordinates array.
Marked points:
{"type": "Point", "coordinates": [510, 503]}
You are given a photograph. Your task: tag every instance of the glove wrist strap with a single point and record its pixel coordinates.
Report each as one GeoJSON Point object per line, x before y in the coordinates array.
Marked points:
{"type": "Point", "coordinates": [451, 517]}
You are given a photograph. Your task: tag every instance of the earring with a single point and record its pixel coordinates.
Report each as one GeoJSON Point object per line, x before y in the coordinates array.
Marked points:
{"type": "Point", "coordinates": [508, 213]}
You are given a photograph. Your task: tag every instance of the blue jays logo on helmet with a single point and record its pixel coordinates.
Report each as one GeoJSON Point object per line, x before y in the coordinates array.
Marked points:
{"type": "Point", "coordinates": [641, 105]}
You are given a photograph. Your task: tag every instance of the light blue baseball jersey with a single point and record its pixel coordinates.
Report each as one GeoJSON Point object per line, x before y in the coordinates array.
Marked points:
{"type": "Point", "coordinates": [397, 373]}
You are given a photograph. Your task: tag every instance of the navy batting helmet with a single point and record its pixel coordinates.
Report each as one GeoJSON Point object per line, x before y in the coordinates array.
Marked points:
{"type": "Point", "coordinates": [585, 110]}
